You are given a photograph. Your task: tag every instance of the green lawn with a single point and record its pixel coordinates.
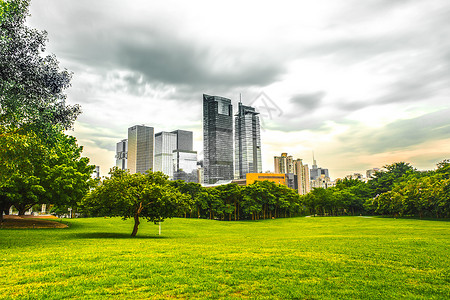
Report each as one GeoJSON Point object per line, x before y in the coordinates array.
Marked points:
{"type": "Point", "coordinates": [306, 258]}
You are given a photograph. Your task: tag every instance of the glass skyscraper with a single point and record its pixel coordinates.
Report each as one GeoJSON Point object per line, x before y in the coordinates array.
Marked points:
{"type": "Point", "coordinates": [165, 144]}
{"type": "Point", "coordinates": [217, 139]}
{"type": "Point", "coordinates": [247, 142]}
{"type": "Point", "coordinates": [140, 149]}
{"type": "Point", "coordinates": [121, 154]}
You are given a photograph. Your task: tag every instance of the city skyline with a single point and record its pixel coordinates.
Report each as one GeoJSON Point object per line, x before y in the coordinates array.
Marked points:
{"type": "Point", "coordinates": [360, 84]}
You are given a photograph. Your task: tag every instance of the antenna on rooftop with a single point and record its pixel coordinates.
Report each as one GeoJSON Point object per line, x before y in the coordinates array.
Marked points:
{"type": "Point", "coordinates": [240, 98]}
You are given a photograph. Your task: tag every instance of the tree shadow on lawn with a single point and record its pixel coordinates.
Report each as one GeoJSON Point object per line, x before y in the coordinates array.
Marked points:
{"type": "Point", "coordinates": [113, 235]}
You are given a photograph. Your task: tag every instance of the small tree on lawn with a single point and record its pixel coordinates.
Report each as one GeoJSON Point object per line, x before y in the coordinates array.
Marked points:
{"type": "Point", "coordinates": [137, 195]}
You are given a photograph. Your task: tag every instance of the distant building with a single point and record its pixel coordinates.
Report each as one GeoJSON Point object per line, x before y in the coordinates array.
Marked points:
{"type": "Point", "coordinates": [302, 177]}
{"type": "Point", "coordinates": [96, 173]}
{"type": "Point", "coordinates": [357, 176]}
{"type": "Point", "coordinates": [283, 164]}
{"type": "Point", "coordinates": [277, 178]}
{"type": "Point", "coordinates": [121, 154]}
{"type": "Point", "coordinates": [297, 174]}
{"type": "Point", "coordinates": [165, 144]}
{"type": "Point", "coordinates": [322, 182]}
{"type": "Point", "coordinates": [247, 142]}
{"type": "Point", "coordinates": [140, 149]}
{"type": "Point", "coordinates": [217, 139]}
{"type": "Point", "coordinates": [370, 173]}
{"type": "Point", "coordinates": [185, 165]}
{"type": "Point", "coordinates": [316, 172]}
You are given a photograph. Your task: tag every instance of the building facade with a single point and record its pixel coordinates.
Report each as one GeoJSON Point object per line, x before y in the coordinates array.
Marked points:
{"type": "Point", "coordinates": [217, 139]}
{"type": "Point", "coordinates": [277, 178]}
{"type": "Point", "coordinates": [297, 174]}
{"type": "Point", "coordinates": [316, 172]}
{"type": "Point", "coordinates": [283, 164]}
{"type": "Point", "coordinates": [140, 149]}
{"type": "Point", "coordinates": [247, 142]}
{"type": "Point", "coordinates": [302, 177]}
{"type": "Point", "coordinates": [121, 154]}
{"type": "Point", "coordinates": [165, 144]}
{"type": "Point", "coordinates": [185, 165]}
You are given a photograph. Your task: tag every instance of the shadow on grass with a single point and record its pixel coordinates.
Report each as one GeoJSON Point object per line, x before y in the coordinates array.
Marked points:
{"type": "Point", "coordinates": [113, 235]}
{"type": "Point", "coordinates": [414, 218]}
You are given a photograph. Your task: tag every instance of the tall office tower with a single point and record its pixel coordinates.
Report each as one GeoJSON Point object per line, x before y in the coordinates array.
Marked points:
{"type": "Point", "coordinates": [184, 158]}
{"type": "Point", "coordinates": [165, 144]}
{"type": "Point", "coordinates": [184, 139]}
{"type": "Point", "coordinates": [217, 139]}
{"type": "Point", "coordinates": [283, 164]}
{"type": "Point", "coordinates": [121, 154]}
{"type": "Point", "coordinates": [140, 148]}
{"type": "Point", "coordinates": [247, 142]}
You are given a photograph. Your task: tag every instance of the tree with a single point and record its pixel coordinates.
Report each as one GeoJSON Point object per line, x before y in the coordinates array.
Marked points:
{"type": "Point", "coordinates": [31, 86]}
{"type": "Point", "coordinates": [137, 195]}
{"type": "Point", "coordinates": [384, 181]}
{"type": "Point", "coordinates": [38, 163]}
{"type": "Point", "coordinates": [39, 174]}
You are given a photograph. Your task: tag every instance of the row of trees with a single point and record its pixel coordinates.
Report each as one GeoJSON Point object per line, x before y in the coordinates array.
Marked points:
{"type": "Point", "coordinates": [153, 197]}
{"type": "Point", "coordinates": [399, 190]}
{"type": "Point", "coordinates": [39, 164]}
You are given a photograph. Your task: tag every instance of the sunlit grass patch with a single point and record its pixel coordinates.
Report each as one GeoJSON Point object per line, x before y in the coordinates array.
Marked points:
{"type": "Point", "coordinates": [339, 257]}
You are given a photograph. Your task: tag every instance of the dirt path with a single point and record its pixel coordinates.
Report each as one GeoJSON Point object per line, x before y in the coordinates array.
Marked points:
{"type": "Point", "coordinates": [31, 222]}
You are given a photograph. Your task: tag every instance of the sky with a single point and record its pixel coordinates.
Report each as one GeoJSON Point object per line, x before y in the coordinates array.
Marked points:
{"type": "Point", "coordinates": [361, 84]}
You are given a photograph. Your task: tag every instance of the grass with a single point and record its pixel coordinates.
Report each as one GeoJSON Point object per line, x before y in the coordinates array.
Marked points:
{"type": "Point", "coordinates": [298, 258]}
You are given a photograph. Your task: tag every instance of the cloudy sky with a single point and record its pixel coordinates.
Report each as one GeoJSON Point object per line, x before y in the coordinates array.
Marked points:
{"type": "Point", "coordinates": [360, 83]}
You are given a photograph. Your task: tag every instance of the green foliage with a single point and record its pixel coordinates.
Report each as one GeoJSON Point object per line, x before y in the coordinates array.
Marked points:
{"type": "Point", "coordinates": [31, 86]}
{"type": "Point", "coordinates": [36, 173]}
{"type": "Point", "coordinates": [295, 258]}
{"type": "Point", "coordinates": [126, 195]}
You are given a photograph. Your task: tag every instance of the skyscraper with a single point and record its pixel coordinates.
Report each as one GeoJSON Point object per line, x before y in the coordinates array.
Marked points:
{"type": "Point", "coordinates": [247, 142]}
{"type": "Point", "coordinates": [165, 144]}
{"type": "Point", "coordinates": [121, 154]}
{"type": "Point", "coordinates": [140, 148]}
{"type": "Point", "coordinates": [217, 138]}
{"type": "Point", "coordinates": [184, 139]}
{"type": "Point", "coordinates": [184, 158]}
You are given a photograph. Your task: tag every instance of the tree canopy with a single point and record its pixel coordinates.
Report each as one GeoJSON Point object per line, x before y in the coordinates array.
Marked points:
{"type": "Point", "coordinates": [38, 162]}
{"type": "Point", "coordinates": [126, 195]}
{"type": "Point", "coordinates": [31, 85]}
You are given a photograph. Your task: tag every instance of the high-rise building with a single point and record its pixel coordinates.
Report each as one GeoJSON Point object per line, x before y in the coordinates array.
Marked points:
{"type": "Point", "coordinates": [297, 174]}
{"type": "Point", "coordinates": [121, 154]}
{"type": "Point", "coordinates": [140, 149]}
{"type": "Point", "coordinates": [283, 164]}
{"type": "Point", "coordinates": [301, 172]}
{"type": "Point", "coordinates": [217, 139]}
{"type": "Point", "coordinates": [165, 144]}
{"type": "Point", "coordinates": [247, 142]}
{"type": "Point", "coordinates": [184, 140]}
{"type": "Point", "coordinates": [184, 158]}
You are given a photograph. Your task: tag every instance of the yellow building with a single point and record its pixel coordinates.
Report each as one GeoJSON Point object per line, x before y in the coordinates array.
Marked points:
{"type": "Point", "coordinates": [277, 178]}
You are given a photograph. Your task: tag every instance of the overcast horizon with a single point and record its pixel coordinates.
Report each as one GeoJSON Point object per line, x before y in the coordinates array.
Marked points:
{"type": "Point", "coordinates": [360, 84]}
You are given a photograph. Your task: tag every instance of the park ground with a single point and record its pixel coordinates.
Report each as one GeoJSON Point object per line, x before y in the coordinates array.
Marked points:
{"type": "Point", "coordinates": [297, 258]}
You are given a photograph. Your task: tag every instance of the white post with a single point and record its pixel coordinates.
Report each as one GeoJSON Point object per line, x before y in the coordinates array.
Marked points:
{"type": "Point", "coordinates": [159, 228]}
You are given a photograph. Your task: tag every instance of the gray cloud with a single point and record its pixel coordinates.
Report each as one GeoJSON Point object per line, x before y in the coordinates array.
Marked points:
{"type": "Point", "coordinates": [308, 102]}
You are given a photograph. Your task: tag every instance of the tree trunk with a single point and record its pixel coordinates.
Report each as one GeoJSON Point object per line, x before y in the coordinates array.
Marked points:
{"type": "Point", "coordinates": [136, 220]}
{"type": "Point", "coordinates": [136, 225]}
